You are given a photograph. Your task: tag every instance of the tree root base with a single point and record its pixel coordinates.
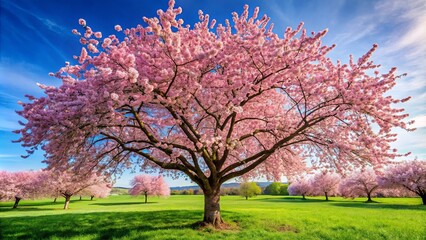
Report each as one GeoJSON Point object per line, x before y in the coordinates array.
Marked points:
{"type": "Point", "coordinates": [209, 227]}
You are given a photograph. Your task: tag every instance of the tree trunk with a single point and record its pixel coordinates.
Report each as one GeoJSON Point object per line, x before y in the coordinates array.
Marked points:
{"type": "Point", "coordinates": [17, 199]}
{"type": "Point", "coordinates": [54, 200]}
{"type": "Point", "coordinates": [423, 199]}
{"type": "Point", "coordinates": [67, 201]}
{"type": "Point", "coordinates": [91, 198]}
{"type": "Point", "coordinates": [146, 197]}
{"type": "Point", "coordinates": [80, 197]}
{"type": "Point", "coordinates": [303, 197]}
{"type": "Point", "coordinates": [326, 196]}
{"type": "Point", "coordinates": [246, 198]}
{"type": "Point", "coordinates": [212, 209]}
{"type": "Point", "coordinates": [369, 198]}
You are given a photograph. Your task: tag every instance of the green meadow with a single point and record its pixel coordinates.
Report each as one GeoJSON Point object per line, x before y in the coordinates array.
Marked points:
{"type": "Point", "coordinates": [261, 217]}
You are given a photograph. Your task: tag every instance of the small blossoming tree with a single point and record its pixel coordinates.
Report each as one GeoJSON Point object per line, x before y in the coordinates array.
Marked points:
{"type": "Point", "coordinates": [149, 186]}
{"type": "Point", "coordinates": [300, 186]}
{"type": "Point", "coordinates": [325, 183]}
{"type": "Point", "coordinates": [360, 183]}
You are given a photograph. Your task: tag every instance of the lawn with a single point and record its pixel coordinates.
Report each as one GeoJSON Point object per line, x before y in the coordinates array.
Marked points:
{"type": "Point", "coordinates": [262, 217]}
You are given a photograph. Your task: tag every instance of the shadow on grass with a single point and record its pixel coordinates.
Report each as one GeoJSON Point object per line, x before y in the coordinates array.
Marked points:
{"type": "Point", "coordinates": [294, 200]}
{"type": "Point", "coordinates": [122, 203]}
{"type": "Point", "coordinates": [31, 206]}
{"type": "Point", "coordinates": [378, 205]}
{"type": "Point", "coordinates": [102, 225]}
{"type": "Point", "coordinates": [23, 209]}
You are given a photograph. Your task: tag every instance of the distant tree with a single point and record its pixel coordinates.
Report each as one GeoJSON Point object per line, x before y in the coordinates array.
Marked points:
{"type": "Point", "coordinates": [68, 183]}
{"type": "Point", "coordinates": [7, 186]}
{"type": "Point", "coordinates": [325, 183]}
{"type": "Point", "coordinates": [249, 189]}
{"type": "Point", "coordinates": [149, 186]}
{"type": "Point", "coordinates": [284, 189]}
{"type": "Point", "coordinates": [273, 189]}
{"type": "Point", "coordinates": [198, 191]}
{"type": "Point", "coordinates": [99, 190]}
{"type": "Point", "coordinates": [361, 183]}
{"type": "Point", "coordinates": [229, 191]}
{"type": "Point", "coordinates": [21, 185]}
{"type": "Point", "coordinates": [188, 192]}
{"type": "Point", "coordinates": [410, 175]}
{"type": "Point", "coordinates": [300, 186]}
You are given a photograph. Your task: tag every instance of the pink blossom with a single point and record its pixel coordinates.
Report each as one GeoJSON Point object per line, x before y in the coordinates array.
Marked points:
{"type": "Point", "coordinates": [92, 48]}
{"type": "Point", "coordinates": [83, 55]}
{"type": "Point", "coordinates": [74, 31]}
{"type": "Point", "coordinates": [118, 28]}
{"type": "Point", "coordinates": [114, 96]}
{"type": "Point", "coordinates": [98, 34]}
{"type": "Point", "coordinates": [82, 22]}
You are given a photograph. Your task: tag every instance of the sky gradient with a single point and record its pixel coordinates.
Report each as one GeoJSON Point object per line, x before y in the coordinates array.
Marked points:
{"type": "Point", "coordinates": [36, 38]}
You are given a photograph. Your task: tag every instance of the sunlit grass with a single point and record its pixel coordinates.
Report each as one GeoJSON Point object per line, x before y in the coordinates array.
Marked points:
{"type": "Point", "coordinates": [262, 217]}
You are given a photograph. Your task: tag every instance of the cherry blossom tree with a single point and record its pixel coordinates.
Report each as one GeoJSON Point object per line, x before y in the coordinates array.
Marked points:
{"type": "Point", "coordinates": [360, 183]}
{"type": "Point", "coordinates": [249, 189]}
{"type": "Point", "coordinates": [213, 102]}
{"type": "Point", "coordinates": [300, 186]}
{"type": "Point", "coordinates": [99, 190]}
{"type": "Point", "coordinates": [21, 185]}
{"type": "Point", "coordinates": [326, 183]}
{"type": "Point", "coordinates": [149, 186]}
{"type": "Point", "coordinates": [7, 186]}
{"type": "Point", "coordinates": [410, 175]}
{"type": "Point", "coordinates": [69, 183]}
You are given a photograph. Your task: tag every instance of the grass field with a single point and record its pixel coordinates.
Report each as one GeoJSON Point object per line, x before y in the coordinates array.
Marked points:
{"type": "Point", "coordinates": [262, 217]}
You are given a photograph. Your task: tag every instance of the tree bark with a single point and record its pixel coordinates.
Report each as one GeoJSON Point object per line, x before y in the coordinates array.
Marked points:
{"type": "Point", "coordinates": [146, 197]}
{"type": "Point", "coordinates": [17, 199]}
{"type": "Point", "coordinates": [67, 201]}
{"type": "Point", "coordinates": [80, 197]}
{"type": "Point", "coordinates": [91, 198]}
{"type": "Point", "coordinates": [303, 197]}
{"type": "Point", "coordinates": [212, 209]}
{"type": "Point", "coordinates": [423, 199]}
{"type": "Point", "coordinates": [326, 196]}
{"type": "Point", "coordinates": [369, 198]}
{"type": "Point", "coordinates": [246, 198]}
{"type": "Point", "coordinates": [54, 200]}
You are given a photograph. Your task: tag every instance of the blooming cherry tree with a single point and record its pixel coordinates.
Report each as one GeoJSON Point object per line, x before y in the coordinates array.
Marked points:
{"type": "Point", "coordinates": [325, 183]}
{"type": "Point", "coordinates": [300, 186]}
{"type": "Point", "coordinates": [149, 185]}
{"type": "Point", "coordinates": [213, 102]}
{"type": "Point", "coordinates": [410, 175]}
{"type": "Point", "coordinates": [99, 190]}
{"type": "Point", "coordinates": [21, 185]}
{"type": "Point", "coordinates": [7, 186]}
{"type": "Point", "coordinates": [69, 183]}
{"type": "Point", "coordinates": [361, 183]}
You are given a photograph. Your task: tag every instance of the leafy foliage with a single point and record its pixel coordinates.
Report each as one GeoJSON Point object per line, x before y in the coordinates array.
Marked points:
{"type": "Point", "coordinates": [249, 189]}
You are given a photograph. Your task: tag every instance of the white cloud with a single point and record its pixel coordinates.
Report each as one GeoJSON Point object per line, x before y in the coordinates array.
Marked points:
{"type": "Point", "coordinates": [420, 121]}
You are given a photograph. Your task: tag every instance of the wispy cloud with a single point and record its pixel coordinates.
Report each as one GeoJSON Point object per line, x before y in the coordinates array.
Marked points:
{"type": "Point", "coordinates": [420, 121]}
{"type": "Point", "coordinates": [29, 18]}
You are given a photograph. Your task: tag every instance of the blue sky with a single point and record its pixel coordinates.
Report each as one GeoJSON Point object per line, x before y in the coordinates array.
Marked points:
{"type": "Point", "coordinates": [36, 38]}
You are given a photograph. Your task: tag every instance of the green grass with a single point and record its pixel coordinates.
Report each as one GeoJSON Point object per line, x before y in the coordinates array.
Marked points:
{"type": "Point", "coordinates": [262, 217]}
